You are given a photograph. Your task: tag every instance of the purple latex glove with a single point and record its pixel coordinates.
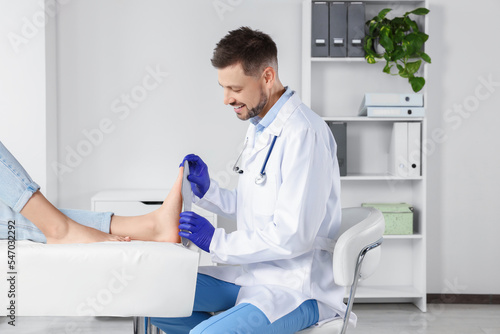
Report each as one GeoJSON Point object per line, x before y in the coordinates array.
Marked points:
{"type": "Point", "coordinates": [198, 174]}
{"type": "Point", "coordinates": [197, 229]}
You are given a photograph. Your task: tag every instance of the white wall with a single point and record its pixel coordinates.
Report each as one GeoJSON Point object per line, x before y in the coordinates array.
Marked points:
{"type": "Point", "coordinates": [463, 225]}
{"type": "Point", "coordinates": [105, 48]}
{"type": "Point", "coordinates": [26, 89]}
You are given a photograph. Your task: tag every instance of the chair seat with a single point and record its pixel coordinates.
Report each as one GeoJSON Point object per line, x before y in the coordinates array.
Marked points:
{"type": "Point", "coordinates": [331, 327]}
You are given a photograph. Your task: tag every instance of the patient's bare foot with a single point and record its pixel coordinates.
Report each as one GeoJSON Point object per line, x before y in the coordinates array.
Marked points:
{"type": "Point", "coordinates": [76, 233]}
{"type": "Point", "coordinates": [166, 218]}
{"type": "Point", "coordinates": [160, 225]}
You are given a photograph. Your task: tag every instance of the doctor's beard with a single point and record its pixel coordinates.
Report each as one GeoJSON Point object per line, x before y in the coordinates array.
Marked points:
{"type": "Point", "coordinates": [258, 108]}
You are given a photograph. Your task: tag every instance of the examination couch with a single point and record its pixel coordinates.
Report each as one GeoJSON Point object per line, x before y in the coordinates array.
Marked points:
{"type": "Point", "coordinates": [127, 279]}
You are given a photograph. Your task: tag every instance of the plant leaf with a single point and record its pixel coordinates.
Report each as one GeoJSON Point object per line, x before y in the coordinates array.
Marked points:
{"type": "Point", "coordinates": [425, 57]}
{"type": "Point", "coordinates": [399, 35]}
{"type": "Point", "coordinates": [381, 15]}
{"type": "Point", "coordinates": [398, 22]}
{"type": "Point", "coordinates": [385, 39]}
{"type": "Point", "coordinates": [403, 73]}
{"type": "Point", "coordinates": [370, 59]}
{"type": "Point", "coordinates": [417, 83]}
{"type": "Point", "coordinates": [423, 36]}
{"type": "Point", "coordinates": [412, 44]}
{"type": "Point", "coordinates": [374, 28]}
{"type": "Point", "coordinates": [368, 45]}
{"type": "Point", "coordinates": [387, 68]}
{"type": "Point", "coordinates": [406, 47]}
{"type": "Point", "coordinates": [412, 67]}
{"type": "Point", "coordinates": [412, 25]}
{"type": "Point", "coordinates": [418, 11]}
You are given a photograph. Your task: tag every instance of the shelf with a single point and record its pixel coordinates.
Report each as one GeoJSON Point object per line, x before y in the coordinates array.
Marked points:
{"type": "Point", "coordinates": [334, 87]}
{"type": "Point", "coordinates": [371, 119]}
{"type": "Point", "coordinates": [415, 236]}
{"type": "Point", "coordinates": [338, 59]}
{"type": "Point", "coordinates": [387, 292]}
{"type": "Point", "coordinates": [397, 2]}
{"type": "Point", "coordinates": [378, 177]}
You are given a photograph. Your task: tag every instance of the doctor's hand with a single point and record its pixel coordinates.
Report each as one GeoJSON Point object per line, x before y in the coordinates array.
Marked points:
{"type": "Point", "coordinates": [198, 174]}
{"type": "Point", "coordinates": [197, 229]}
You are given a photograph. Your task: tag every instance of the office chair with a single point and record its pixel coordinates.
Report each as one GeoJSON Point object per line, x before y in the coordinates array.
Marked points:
{"type": "Point", "coordinates": [361, 232]}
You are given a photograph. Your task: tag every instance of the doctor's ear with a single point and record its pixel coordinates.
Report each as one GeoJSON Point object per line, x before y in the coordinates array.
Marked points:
{"type": "Point", "coordinates": [269, 76]}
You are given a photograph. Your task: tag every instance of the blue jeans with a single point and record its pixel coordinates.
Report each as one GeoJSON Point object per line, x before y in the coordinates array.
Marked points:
{"type": "Point", "coordinates": [213, 295]}
{"type": "Point", "coordinates": [17, 187]}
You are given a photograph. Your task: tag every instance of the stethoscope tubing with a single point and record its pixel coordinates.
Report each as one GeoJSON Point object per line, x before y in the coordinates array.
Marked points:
{"type": "Point", "coordinates": [261, 177]}
{"type": "Point", "coordinates": [263, 169]}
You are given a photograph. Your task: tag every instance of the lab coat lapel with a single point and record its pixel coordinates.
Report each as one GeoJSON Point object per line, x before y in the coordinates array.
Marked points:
{"type": "Point", "coordinates": [274, 129]}
{"type": "Point", "coordinates": [250, 137]}
{"type": "Point", "coordinates": [286, 111]}
{"type": "Point", "coordinates": [248, 147]}
{"type": "Point", "coordinates": [262, 141]}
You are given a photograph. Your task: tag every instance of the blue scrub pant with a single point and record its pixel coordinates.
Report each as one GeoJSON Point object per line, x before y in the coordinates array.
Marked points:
{"type": "Point", "coordinates": [213, 295]}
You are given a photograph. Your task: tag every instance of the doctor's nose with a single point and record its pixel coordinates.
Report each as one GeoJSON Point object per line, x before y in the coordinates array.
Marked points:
{"type": "Point", "coordinates": [228, 99]}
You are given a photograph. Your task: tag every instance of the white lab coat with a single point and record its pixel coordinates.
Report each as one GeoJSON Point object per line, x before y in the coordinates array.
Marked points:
{"type": "Point", "coordinates": [283, 242]}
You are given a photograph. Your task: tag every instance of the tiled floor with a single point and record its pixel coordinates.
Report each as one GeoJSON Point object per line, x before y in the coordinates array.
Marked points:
{"type": "Point", "coordinates": [372, 319]}
{"type": "Point", "coordinates": [67, 325]}
{"type": "Point", "coordinates": [439, 319]}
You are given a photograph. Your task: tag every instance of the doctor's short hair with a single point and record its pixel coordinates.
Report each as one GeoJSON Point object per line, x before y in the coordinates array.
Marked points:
{"type": "Point", "coordinates": [254, 49]}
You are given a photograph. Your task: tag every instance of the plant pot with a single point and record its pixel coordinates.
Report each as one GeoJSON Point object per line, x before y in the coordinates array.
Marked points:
{"type": "Point", "coordinates": [377, 47]}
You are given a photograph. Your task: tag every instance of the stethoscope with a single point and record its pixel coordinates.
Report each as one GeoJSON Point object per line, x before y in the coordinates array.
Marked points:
{"type": "Point", "coordinates": [261, 177]}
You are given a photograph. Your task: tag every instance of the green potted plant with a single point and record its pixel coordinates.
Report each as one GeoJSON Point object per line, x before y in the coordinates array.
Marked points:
{"type": "Point", "coordinates": [402, 44]}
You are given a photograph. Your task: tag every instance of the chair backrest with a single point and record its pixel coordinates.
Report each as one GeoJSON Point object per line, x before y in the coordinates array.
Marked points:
{"type": "Point", "coordinates": [360, 227]}
{"type": "Point", "coordinates": [356, 255]}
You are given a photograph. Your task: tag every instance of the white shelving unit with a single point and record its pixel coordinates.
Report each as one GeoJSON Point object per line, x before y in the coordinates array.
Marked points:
{"type": "Point", "coordinates": [401, 276]}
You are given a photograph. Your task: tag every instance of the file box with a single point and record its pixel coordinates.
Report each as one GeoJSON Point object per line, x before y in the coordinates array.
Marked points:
{"type": "Point", "coordinates": [398, 217]}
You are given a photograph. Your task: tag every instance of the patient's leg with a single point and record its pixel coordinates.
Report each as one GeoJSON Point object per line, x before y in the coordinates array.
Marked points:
{"type": "Point", "coordinates": [159, 225]}
{"type": "Point", "coordinates": [20, 194]}
{"type": "Point", "coordinates": [57, 227]}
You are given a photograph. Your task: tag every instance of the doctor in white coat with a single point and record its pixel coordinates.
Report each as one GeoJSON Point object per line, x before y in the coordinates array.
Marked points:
{"type": "Point", "coordinates": [286, 220]}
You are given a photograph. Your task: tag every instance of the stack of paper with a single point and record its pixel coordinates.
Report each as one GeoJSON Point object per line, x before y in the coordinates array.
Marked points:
{"type": "Point", "coordinates": [392, 105]}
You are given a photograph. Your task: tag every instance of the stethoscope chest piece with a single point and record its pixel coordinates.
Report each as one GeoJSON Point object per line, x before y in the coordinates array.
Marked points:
{"type": "Point", "coordinates": [260, 180]}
